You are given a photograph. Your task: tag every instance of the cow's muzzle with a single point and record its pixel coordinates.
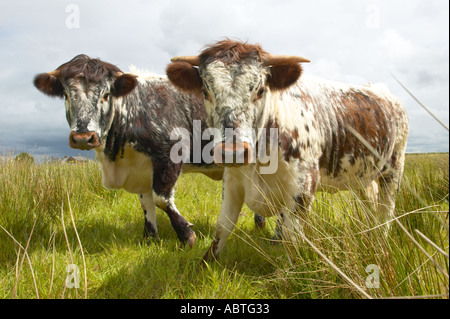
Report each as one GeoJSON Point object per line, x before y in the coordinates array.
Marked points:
{"type": "Point", "coordinates": [233, 154]}
{"type": "Point", "coordinates": [84, 141]}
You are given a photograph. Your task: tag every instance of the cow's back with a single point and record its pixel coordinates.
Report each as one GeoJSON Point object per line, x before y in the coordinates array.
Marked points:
{"type": "Point", "coordinates": [350, 124]}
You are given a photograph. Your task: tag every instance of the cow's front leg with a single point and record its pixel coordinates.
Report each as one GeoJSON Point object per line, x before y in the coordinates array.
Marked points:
{"type": "Point", "coordinates": [164, 179]}
{"type": "Point", "coordinates": [181, 226]}
{"type": "Point", "coordinates": [232, 201]}
{"type": "Point", "coordinates": [294, 222]}
{"type": "Point", "coordinates": [148, 206]}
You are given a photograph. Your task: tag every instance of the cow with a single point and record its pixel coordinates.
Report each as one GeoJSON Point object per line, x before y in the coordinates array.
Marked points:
{"type": "Point", "coordinates": [127, 120]}
{"type": "Point", "coordinates": [330, 136]}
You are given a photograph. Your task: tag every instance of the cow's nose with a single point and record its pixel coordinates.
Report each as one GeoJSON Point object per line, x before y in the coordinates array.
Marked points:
{"type": "Point", "coordinates": [233, 154]}
{"type": "Point", "coordinates": [84, 141]}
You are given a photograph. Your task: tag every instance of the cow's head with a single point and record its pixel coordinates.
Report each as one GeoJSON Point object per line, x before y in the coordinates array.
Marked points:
{"type": "Point", "coordinates": [89, 87]}
{"type": "Point", "coordinates": [235, 79]}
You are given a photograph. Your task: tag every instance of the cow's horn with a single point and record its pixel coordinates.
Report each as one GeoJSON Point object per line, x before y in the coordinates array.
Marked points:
{"type": "Point", "coordinates": [55, 73]}
{"type": "Point", "coordinates": [193, 60]}
{"type": "Point", "coordinates": [275, 59]}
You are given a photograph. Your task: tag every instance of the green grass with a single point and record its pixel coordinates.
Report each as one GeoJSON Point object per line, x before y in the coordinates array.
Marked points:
{"type": "Point", "coordinates": [53, 215]}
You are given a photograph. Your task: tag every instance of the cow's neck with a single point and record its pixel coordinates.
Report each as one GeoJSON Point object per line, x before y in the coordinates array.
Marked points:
{"type": "Point", "coordinates": [126, 109]}
{"type": "Point", "coordinates": [298, 134]}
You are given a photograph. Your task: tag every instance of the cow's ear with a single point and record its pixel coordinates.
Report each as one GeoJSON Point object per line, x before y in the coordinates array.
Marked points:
{"type": "Point", "coordinates": [283, 76]}
{"type": "Point", "coordinates": [49, 84]}
{"type": "Point", "coordinates": [184, 76]}
{"type": "Point", "coordinates": [124, 84]}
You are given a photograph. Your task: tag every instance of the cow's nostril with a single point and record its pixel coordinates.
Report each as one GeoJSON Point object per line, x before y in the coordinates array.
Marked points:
{"type": "Point", "coordinates": [84, 141]}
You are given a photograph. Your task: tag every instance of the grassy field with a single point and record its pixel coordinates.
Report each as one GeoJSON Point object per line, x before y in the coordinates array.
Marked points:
{"type": "Point", "coordinates": [55, 215]}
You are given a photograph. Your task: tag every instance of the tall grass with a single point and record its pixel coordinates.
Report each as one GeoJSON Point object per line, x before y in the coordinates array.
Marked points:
{"type": "Point", "coordinates": [54, 215]}
{"type": "Point", "coordinates": [345, 236]}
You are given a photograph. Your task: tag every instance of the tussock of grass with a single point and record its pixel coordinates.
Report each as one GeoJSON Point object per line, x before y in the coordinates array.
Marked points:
{"type": "Point", "coordinates": [43, 208]}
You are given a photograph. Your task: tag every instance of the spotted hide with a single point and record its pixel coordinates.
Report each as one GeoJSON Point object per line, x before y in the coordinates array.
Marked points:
{"type": "Point", "coordinates": [127, 120]}
{"type": "Point", "coordinates": [330, 136]}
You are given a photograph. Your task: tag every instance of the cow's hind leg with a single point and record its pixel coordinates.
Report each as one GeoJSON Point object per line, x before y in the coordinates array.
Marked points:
{"type": "Point", "coordinates": [368, 193]}
{"type": "Point", "coordinates": [371, 192]}
{"type": "Point", "coordinates": [293, 222]}
{"type": "Point", "coordinates": [389, 184]}
{"type": "Point", "coordinates": [388, 187]}
{"type": "Point", "coordinates": [260, 221]}
{"type": "Point", "coordinates": [278, 229]}
{"type": "Point", "coordinates": [148, 206]}
{"type": "Point", "coordinates": [386, 205]}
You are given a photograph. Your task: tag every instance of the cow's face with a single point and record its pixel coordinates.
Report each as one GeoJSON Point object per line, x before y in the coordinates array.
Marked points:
{"type": "Point", "coordinates": [91, 89]}
{"type": "Point", "coordinates": [234, 98]}
{"type": "Point", "coordinates": [236, 81]}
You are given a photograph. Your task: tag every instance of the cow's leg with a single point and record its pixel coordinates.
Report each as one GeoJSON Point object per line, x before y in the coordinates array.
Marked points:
{"type": "Point", "coordinates": [181, 226]}
{"type": "Point", "coordinates": [371, 192]}
{"type": "Point", "coordinates": [148, 205]}
{"type": "Point", "coordinates": [232, 201]}
{"type": "Point", "coordinates": [386, 205]}
{"type": "Point", "coordinates": [278, 228]}
{"type": "Point", "coordinates": [164, 179]}
{"type": "Point", "coordinates": [368, 192]}
{"type": "Point", "coordinates": [260, 221]}
{"type": "Point", "coordinates": [290, 227]}
{"type": "Point", "coordinates": [389, 184]}
{"type": "Point", "coordinates": [293, 222]}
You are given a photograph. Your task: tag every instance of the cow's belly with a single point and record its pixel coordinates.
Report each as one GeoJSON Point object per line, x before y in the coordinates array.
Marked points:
{"type": "Point", "coordinates": [350, 177]}
{"type": "Point", "coordinates": [270, 194]}
{"type": "Point", "coordinates": [132, 172]}
{"type": "Point", "coordinates": [213, 172]}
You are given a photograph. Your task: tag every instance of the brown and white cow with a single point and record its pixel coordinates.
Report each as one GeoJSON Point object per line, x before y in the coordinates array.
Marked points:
{"type": "Point", "coordinates": [128, 121]}
{"type": "Point", "coordinates": [331, 136]}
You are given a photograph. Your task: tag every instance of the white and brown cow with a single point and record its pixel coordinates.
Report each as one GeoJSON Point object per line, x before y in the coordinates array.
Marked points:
{"type": "Point", "coordinates": [331, 136]}
{"type": "Point", "coordinates": [127, 120]}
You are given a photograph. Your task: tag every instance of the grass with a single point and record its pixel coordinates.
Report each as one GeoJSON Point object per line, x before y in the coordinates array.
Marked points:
{"type": "Point", "coordinates": [54, 215]}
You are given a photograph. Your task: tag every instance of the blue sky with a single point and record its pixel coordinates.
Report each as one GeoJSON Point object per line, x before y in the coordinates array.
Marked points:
{"type": "Point", "coordinates": [356, 41]}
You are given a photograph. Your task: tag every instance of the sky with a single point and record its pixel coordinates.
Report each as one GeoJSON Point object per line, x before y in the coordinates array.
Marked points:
{"type": "Point", "coordinates": [354, 41]}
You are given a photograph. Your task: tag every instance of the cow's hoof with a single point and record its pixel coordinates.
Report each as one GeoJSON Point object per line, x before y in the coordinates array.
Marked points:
{"type": "Point", "coordinates": [260, 222]}
{"type": "Point", "coordinates": [208, 257]}
{"type": "Point", "coordinates": [149, 232]}
{"type": "Point", "coordinates": [276, 239]}
{"type": "Point", "coordinates": [191, 239]}
{"type": "Point", "coordinates": [211, 254]}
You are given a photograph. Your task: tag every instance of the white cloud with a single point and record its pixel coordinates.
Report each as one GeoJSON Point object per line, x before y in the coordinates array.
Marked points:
{"type": "Point", "coordinates": [396, 46]}
{"type": "Point", "coordinates": [352, 41]}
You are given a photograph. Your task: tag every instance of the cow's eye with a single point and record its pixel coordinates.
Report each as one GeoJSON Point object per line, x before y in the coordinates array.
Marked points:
{"type": "Point", "coordinates": [205, 94]}
{"type": "Point", "coordinates": [105, 97]}
{"type": "Point", "coordinates": [260, 93]}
